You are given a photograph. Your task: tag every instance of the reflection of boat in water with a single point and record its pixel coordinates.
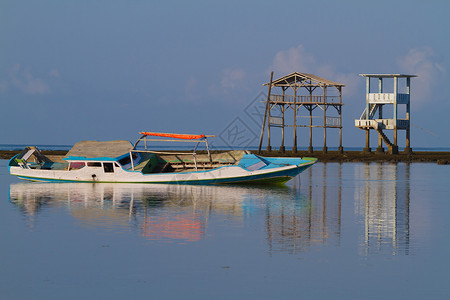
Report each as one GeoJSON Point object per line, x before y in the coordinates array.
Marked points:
{"type": "Point", "coordinates": [119, 161]}
{"type": "Point", "coordinates": [174, 212]}
{"type": "Point", "coordinates": [293, 219]}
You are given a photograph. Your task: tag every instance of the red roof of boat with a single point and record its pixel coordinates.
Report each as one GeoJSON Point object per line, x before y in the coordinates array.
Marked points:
{"type": "Point", "coordinates": [175, 135]}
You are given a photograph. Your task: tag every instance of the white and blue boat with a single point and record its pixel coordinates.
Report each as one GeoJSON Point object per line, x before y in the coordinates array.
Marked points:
{"type": "Point", "coordinates": [121, 161]}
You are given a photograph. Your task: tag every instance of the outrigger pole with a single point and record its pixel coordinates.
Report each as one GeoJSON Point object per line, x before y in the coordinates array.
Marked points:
{"type": "Point", "coordinates": [265, 114]}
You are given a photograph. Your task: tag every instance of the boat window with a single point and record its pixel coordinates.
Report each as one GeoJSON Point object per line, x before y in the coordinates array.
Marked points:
{"type": "Point", "coordinates": [76, 165]}
{"type": "Point", "coordinates": [117, 165]}
{"type": "Point", "coordinates": [108, 167]}
{"type": "Point", "coordinates": [127, 160]}
{"type": "Point", "coordinates": [94, 164]}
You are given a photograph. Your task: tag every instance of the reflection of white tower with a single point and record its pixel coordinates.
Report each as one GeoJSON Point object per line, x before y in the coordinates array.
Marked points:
{"type": "Point", "coordinates": [384, 203]}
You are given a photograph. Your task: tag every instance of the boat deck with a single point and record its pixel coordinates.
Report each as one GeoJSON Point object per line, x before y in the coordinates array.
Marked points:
{"type": "Point", "coordinates": [186, 162]}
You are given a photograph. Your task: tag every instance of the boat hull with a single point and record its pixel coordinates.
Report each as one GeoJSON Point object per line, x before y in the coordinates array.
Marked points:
{"type": "Point", "coordinates": [222, 175]}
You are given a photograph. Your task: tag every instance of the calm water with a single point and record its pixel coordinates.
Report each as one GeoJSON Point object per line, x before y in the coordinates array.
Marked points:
{"type": "Point", "coordinates": [342, 231]}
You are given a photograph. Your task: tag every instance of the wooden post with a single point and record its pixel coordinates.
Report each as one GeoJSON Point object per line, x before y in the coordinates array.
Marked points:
{"type": "Point", "coordinates": [341, 148]}
{"type": "Point", "coordinates": [294, 148]}
{"type": "Point", "coordinates": [265, 114]}
{"type": "Point", "coordinates": [269, 148]}
{"type": "Point", "coordinates": [310, 149]}
{"type": "Point", "coordinates": [325, 149]}
{"type": "Point", "coordinates": [282, 148]}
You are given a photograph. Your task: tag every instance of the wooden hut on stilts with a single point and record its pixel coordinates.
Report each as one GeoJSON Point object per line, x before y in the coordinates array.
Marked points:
{"type": "Point", "coordinates": [308, 92]}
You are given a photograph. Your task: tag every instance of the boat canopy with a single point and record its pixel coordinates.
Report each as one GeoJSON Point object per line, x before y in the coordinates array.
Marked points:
{"type": "Point", "coordinates": [95, 149]}
{"type": "Point", "coordinates": [175, 135]}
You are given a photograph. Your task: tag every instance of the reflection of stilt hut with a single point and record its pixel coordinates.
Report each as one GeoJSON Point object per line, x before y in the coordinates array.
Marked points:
{"type": "Point", "coordinates": [308, 93]}
{"type": "Point", "coordinates": [379, 100]}
{"type": "Point", "coordinates": [312, 217]}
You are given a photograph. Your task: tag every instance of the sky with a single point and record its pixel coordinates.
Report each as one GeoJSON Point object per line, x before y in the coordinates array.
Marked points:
{"type": "Point", "coordinates": [105, 70]}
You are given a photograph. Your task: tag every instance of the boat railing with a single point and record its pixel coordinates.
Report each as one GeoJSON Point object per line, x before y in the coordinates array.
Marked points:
{"type": "Point", "coordinates": [174, 138]}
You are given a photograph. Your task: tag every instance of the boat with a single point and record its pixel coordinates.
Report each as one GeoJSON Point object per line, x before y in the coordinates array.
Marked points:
{"type": "Point", "coordinates": [122, 162]}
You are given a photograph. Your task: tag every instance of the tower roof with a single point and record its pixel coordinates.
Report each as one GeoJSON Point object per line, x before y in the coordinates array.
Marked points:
{"type": "Point", "coordinates": [303, 79]}
{"type": "Point", "coordinates": [387, 75]}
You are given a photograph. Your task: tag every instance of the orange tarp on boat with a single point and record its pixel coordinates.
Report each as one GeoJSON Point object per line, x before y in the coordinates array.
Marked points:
{"type": "Point", "coordinates": [175, 135]}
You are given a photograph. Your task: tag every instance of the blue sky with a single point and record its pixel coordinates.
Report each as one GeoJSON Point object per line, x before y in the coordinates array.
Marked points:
{"type": "Point", "coordinates": [102, 70]}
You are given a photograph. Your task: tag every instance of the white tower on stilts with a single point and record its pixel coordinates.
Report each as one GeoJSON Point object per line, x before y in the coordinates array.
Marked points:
{"type": "Point", "coordinates": [376, 101]}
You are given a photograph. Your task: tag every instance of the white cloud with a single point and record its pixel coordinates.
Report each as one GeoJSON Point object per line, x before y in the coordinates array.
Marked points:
{"type": "Point", "coordinates": [54, 73]}
{"type": "Point", "coordinates": [352, 82]}
{"type": "Point", "coordinates": [26, 82]}
{"type": "Point", "coordinates": [191, 88]}
{"type": "Point", "coordinates": [232, 78]}
{"type": "Point", "coordinates": [419, 61]}
{"type": "Point", "coordinates": [299, 60]}
{"type": "Point", "coordinates": [293, 60]}
{"type": "Point", "coordinates": [3, 86]}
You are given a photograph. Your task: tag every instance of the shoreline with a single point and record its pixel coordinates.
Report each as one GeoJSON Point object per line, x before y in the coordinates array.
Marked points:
{"type": "Point", "coordinates": [442, 158]}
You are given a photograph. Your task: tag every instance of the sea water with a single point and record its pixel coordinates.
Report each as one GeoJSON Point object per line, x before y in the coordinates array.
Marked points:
{"type": "Point", "coordinates": [339, 231]}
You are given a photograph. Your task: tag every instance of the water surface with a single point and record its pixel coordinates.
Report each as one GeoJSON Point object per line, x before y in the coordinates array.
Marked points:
{"type": "Point", "coordinates": [341, 231]}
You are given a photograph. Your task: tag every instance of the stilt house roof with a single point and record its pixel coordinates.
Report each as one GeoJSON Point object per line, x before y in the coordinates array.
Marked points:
{"type": "Point", "coordinates": [297, 79]}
